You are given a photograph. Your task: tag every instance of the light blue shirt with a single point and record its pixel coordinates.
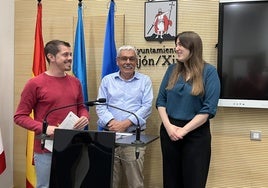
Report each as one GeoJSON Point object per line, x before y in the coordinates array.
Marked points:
{"type": "Point", "coordinates": [134, 95]}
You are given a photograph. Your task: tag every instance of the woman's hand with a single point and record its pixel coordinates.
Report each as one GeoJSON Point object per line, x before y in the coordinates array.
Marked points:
{"type": "Point", "coordinates": [175, 133]}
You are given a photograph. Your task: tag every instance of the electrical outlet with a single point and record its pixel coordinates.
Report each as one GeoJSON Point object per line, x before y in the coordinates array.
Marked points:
{"type": "Point", "coordinates": [255, 135]}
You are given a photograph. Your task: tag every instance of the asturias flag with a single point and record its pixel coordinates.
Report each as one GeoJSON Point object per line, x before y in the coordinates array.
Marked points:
{"type": "Point", "coordinates": [109, 53]}
{"type": "Point", "coordinates": [79, 56]}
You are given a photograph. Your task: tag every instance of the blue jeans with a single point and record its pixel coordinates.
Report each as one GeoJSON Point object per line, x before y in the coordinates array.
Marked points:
{"type": "Point", "coordinates": [42, 168]}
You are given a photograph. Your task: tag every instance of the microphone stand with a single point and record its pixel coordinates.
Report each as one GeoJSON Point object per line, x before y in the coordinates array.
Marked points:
{"type": "Point", "coordinates": [137, 142]}
{"type": "Point", "coordinates": [138, 128]}
{"type": "Point", "coordinates": [44, 136]}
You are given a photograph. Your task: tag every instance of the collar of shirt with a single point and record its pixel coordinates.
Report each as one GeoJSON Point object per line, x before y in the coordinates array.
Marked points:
{"type": "Point", "coordinates": [136, 76]}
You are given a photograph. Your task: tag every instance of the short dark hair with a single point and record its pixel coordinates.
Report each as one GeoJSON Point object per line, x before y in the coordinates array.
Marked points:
{"type": "Point", "coordinates": [52, 47]}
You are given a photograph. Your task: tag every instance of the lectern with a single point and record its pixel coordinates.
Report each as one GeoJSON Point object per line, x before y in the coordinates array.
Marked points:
{"type": "Point", "coordinates": [82, 159]}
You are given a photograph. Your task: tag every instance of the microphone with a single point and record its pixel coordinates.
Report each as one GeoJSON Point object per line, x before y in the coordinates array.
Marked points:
{"type": "Point", "coordinates": [96, 102]}
{"type": "Point", "coordinates": [43, 136]}
{"type": "Point", "coordinates": [138, 128]}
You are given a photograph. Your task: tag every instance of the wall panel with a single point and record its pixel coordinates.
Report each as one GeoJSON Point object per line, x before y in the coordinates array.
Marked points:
{"type": "Point", "coordinates": [236, 160]}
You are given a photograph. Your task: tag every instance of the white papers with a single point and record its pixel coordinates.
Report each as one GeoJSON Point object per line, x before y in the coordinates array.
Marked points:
{"type": "Point", "coordinates": [122, 135]}
{"type": "Point", "coordinates": [67, 123]}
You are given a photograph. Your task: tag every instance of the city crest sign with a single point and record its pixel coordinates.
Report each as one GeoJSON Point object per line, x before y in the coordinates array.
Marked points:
{"type": "Point", "coordinates": [160, 20]}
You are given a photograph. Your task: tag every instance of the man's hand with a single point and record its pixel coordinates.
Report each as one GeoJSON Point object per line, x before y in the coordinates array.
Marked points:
{"type": "Point", "coordinates": [119, 126]}
{"type": "Point", "coordinates": [51, 130]}
{"type": "Point", "coordinates": [81, 123]}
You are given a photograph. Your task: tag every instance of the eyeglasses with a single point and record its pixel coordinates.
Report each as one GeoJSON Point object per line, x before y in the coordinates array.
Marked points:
{"type": "Point", "coordinates": [125, 58]}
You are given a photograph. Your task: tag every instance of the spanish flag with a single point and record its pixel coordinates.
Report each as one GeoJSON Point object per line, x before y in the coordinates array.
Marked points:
{"type": "Point", "coordinates": [39, 66]}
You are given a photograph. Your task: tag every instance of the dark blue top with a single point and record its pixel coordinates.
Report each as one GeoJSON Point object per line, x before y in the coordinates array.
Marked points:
{"type": "Point", "coordinates": [179, 102]}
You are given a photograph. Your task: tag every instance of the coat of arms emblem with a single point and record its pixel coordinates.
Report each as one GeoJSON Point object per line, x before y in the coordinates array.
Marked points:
{"type": "Point", "coordinates": [160, 20]}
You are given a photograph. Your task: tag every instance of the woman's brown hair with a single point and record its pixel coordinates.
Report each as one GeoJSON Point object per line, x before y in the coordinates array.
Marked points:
{"type": "Point", "coordinates": [194, 65]}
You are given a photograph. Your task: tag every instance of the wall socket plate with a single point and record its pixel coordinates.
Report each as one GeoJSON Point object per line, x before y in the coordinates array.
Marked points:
{"type": "Point", "coordinates": [255, 135]}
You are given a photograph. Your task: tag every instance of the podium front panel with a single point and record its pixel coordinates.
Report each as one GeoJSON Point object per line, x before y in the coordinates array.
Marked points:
{"type": "Point", "coordinates": [82, 159]}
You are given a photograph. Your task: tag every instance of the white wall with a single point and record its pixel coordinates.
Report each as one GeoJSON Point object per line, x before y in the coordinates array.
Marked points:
{"type": "Point", "coordinates": [7, 86]}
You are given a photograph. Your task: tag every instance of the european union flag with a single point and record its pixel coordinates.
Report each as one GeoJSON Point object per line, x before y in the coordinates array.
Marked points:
{"type": "Point", "coordinates": [109, 53]}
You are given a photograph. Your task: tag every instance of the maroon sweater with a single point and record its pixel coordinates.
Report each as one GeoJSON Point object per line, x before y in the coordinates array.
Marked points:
{"type": "Point", "coordinates": [43, 93]}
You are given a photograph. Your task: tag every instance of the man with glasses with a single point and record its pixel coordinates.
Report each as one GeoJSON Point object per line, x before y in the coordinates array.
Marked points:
{"type": "Point", "coordinates": [132, 91]}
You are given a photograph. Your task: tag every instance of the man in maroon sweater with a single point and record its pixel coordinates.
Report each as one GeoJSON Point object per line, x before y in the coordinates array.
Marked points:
{"type": "Point", "coordinates": [51, 89]}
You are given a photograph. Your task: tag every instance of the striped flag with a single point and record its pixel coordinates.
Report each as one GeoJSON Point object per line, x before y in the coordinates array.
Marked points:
{"type": "Point", "coordinates": [79, 55]}
{"type": "Point", "coordinates": [2, 155]}
{"type": "Point", "coordinates": [109, 53]}
{"type": "Point", "coordinates": [39, 66]}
